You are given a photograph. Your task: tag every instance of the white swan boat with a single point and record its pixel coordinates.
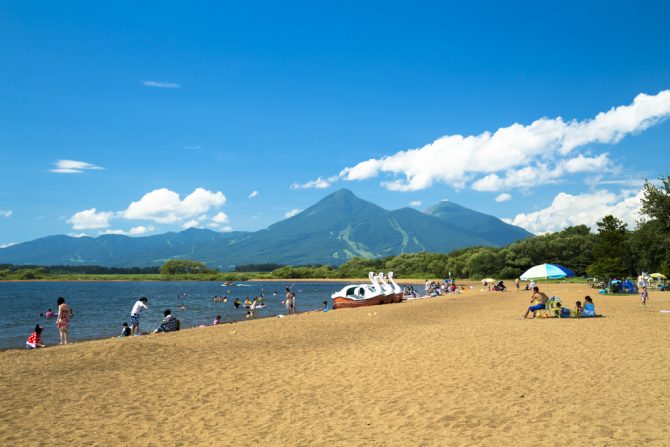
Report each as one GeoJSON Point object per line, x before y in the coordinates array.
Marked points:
{"type": "Point", "coordinates": [377, 292]}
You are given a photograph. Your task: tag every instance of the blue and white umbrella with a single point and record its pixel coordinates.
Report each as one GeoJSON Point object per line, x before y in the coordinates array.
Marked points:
{"type": "Point", "coordinates": [547, 271]}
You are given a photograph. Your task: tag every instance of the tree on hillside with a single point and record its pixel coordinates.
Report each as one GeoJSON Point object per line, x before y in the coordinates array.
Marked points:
{"type": "Point", "coordinates": [184, 267]}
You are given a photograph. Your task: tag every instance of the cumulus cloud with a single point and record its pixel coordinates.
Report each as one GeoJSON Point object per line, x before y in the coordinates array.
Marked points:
{"type": "Point", "coordinates": [504, 197]}
{"type": "Point", "coordinates": [253, 194]}
{"type": "Point", "coordinates": [73, 167]}
{"type": "Point", "coordinates": [90, 219]}
{"type": "Point", "coordinates": [134, 231]}
{"type": "Point", "coordinates": [160, 84]}
{"type": "Point", "coordinates": [319, 183]}
{"type": "Point", "coordinates": [220, 218]}
{"type": "Point", "coordinates": [6, 213]}
{"type": "Point", "coordinates": [415, 203]}
{"type": "Point", "coordinates": [582, 209]}
{"type": "Point", "coordinates": [165, 206]}
{"type": "Point", "coordinates": [78, 235]}
{"type": "Point", "coordinates": [292, 213]}
{"type": "Point", "coordinates": [197, 222]}
{"type": "Point", "coordinates": [540, 150]}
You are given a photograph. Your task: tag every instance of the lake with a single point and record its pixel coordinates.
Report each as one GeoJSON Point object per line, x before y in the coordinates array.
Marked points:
{"type": "Point", "coordinates": [100, 308]}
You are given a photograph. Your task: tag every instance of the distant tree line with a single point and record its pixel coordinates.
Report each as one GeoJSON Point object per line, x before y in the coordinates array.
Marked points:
{"type": "Point", "coordinates": [11, 271]}
{"type": "Point", "coordinates": [266, 267]}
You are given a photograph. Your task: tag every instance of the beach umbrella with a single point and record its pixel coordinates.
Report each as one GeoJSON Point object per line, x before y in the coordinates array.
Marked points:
{"type": "Point", "coordinates": [547, 271]}
{"type": "Point", "coordinates": [658, 276]}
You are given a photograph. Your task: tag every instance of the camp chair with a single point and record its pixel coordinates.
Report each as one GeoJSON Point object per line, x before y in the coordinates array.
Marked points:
{"type": "Point", "coordinates": [553, 307]}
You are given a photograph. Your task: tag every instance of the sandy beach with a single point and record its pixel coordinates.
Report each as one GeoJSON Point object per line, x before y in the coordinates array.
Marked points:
{"type": "Point", "coordinates": [446, 371]}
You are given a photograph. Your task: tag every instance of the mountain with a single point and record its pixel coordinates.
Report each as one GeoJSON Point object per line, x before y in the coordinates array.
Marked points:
{"type": "Point", "coordinates": [491, 228]}
{"type": "Point", "coordinates": [338, 227]}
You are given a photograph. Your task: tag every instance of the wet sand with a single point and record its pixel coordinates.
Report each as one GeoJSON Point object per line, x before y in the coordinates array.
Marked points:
{"type": "Point", "coordinates": [457, 370]}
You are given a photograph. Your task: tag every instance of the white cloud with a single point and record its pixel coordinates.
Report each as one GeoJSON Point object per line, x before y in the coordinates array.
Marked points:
{"type": "Point", "coordinates": [220, 218]}
{"type": "Point", "coordinates": [120, 232]}
{"type": "Point", "coordinates": [7, 245]}
{"type": "Point", "coordinates": [6, 213]}
{"type": "Point", "coordinates": [504, 197]}
{"type": "Point", "coordinates": [78, 235]}
{"type": "Point", "coordinates": [165, 206]}
{"type": "Point", "coordinates": [415, 203]}
{"type": "Point", "coordinates": [196, 222]}
{"type": "Point", "coordinates": [292, 213]}
{"type": "Point", "coordinates": [160, 84]}
{"type": "Point", "coordinates": [134, 231]}
{"type": "Point", "coordinates": [539, 148]}
{"type": "Point", "coordinates": [582, 209]}
{"type": "Point", "coordinates": [73, 167]}
{"type": "Point", "coordinates": [140, 229]}
{"type": "Point", "coordinates": [542, 173]}
{"type": "Point", "coordinates": [90, 219]}
{"type": "Point", "coordinates": [253, 194]}
{"type": "Point", "coordinates": [319, 183]}
{"type": "Point", "coordinates": [191, 147]}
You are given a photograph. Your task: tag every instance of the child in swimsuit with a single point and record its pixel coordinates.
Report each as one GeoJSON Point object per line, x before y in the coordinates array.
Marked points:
{"type": "Point", "coordinates": [35, 339]}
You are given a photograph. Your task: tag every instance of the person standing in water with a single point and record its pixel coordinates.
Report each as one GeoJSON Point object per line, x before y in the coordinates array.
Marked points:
{"type": "Point", "coordinates": [287, 301]}
{"type": "Point", "coordinates": [135, 315]}
{"type": "Point", "coordinates": [63, 321]}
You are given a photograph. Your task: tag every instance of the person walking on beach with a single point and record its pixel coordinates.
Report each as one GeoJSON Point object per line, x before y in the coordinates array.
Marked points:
{"type": "Point", "coordinates": [63, 320]}
{"type": "Point", "coordinates": [644, 296]}
{"type": "Point", "coordinates": [135, 315]}
{"type": "Point", "coordinates": [517, 284]}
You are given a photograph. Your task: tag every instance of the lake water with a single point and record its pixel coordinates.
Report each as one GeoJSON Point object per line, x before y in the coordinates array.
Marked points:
{"type": "Point", "coordinates": [100, 308]}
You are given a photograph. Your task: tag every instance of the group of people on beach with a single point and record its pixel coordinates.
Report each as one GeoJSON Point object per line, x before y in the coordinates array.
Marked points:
{"type": "Point", "coordinates": [62, 323]}
{"type": "Point", "coordinates": [539, 301]}
{"type": "Point", "coordinates": [437, 288]}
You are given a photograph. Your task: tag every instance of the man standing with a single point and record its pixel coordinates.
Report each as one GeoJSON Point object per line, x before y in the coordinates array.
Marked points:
{"type": "Point", "coordinates": [135, 315]}
{"type": "Point", "coordinates": [516, 283]}
{"type": "Point", "coordinates": [541, 299]}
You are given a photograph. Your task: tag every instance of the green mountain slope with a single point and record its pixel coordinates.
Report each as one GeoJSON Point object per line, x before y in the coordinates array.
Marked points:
{"type": "Point", "coordinates": [338, 227]}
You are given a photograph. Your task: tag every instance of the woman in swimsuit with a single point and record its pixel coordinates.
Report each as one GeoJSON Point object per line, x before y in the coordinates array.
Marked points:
{"type": "Point", "coordinates": [63, 321]}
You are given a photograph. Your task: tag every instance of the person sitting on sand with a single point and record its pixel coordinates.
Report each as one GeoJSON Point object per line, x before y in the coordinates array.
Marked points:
{"type": "Point", "coordinates": [577, 311]}
{"type": "Point", "coordinates": [125, 330]}
{"type": "Point", "coordinates": [217, 320]}
{"type": "Point", "coordinates": [169, 323]}
{"type": "Point", "coordinates": [589, 308]}
{"type": "Point", "coordinates": [35, 339]}
{"type": "Point", "coordinates": [541, 299]}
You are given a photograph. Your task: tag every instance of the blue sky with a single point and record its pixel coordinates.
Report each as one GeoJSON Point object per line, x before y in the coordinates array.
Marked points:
{"type": "Point", "coordinates": [137, 105]}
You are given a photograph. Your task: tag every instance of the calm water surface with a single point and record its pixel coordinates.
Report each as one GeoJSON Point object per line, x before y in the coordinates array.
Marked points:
{"type": "Point", "coordinates": [100, 308]}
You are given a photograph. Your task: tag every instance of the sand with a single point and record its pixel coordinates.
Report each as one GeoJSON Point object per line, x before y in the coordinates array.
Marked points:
{"type": "Point", "coordinates": [449, 371]}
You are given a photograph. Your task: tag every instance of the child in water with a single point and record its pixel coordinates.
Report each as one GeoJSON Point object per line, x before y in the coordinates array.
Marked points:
{"type": "Point", "coordinates": [217, 320]}
{"type": "Point", "coordinates": [35, 339]}
{"type": "Point", "coordinates": [325, 306]}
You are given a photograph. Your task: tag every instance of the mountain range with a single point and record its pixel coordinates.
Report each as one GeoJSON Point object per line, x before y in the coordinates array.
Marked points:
{"type": "Point", "coordinates": [335, 229]}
